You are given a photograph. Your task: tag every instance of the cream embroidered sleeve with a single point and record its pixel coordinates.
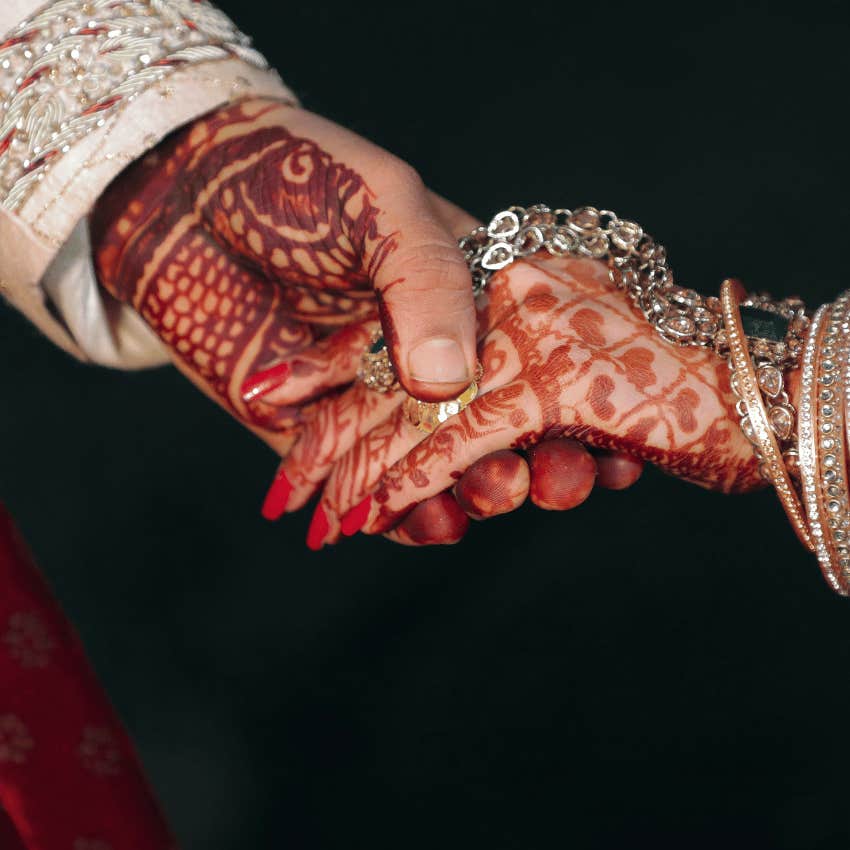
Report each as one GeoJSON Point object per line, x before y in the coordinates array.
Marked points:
{"type": "Point", "coordinates": [86, 87]}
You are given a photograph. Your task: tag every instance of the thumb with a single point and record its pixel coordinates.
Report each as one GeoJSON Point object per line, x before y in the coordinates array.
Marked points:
{"type": "Point", "coordinates": [424, 292]}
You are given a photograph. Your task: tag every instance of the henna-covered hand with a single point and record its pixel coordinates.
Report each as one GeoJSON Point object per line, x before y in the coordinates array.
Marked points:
{"type": "Point", "coordinates": [565, 356]}
{"type": "Point", "coordinates": [246, 239]}
{"type": "Point", "coordinates": [260, 229]}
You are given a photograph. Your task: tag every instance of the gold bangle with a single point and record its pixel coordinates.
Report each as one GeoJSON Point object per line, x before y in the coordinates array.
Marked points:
{"type": "Point", "coordinates": [755, 422]}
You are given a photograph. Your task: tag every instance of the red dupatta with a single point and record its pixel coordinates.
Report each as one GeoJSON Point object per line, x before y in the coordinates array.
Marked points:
{"type": "Point", "coordinates": [69, 776]}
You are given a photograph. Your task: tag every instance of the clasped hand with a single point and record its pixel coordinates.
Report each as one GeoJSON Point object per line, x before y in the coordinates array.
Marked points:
{"type": "Point", "coordinates": [264, 245]}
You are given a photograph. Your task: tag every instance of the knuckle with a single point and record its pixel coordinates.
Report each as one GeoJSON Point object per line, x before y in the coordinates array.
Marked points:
{"type": "Point", "coordinates": [406, 175]}
{"type": "Point", "coordinates": [398, 172]}
{"type": "Point", "coordinates": [433, 265]}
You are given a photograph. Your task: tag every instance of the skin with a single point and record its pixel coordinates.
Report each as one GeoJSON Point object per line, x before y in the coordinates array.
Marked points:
{"type": "Point", "coordinates": [246, 237]}
{"type": "Point", "coordinates": [559, 474]}
{"type": "Point", "coordinates": [262, 244]}
{"type": "Point", "coordinates": [565, 355]}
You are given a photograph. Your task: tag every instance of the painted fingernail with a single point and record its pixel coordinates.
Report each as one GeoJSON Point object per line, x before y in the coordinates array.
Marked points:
{"type": "Point", "coordinates": [439, 360]}
{"type": "Point", "coordinates": [277, 496]}
{"type": "Point", "coordinates": [356, 518]}
{"type": "Point", "coordinates": [318, 530]}
{"type": "Point", "coordinates": [260, 383]}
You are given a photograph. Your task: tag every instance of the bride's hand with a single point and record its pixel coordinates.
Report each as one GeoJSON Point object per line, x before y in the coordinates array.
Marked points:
{"type": "Point", "coordinates": [564, 355]}
{"type": "Point", "coordinates": [260, 244]}
{"type": "Point", "coordinates": [258, 230]}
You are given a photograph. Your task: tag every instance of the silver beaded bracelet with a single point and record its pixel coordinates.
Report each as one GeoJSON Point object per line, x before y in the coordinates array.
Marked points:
{"type": "Point", "coordinates": [636, 264]}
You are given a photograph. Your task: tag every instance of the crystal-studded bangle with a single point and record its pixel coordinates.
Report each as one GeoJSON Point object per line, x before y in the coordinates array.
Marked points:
{"type": "Point", "coordinates": [768, 320]}
{"type": "Point", "coordinates": [821, 441]}
{"type": "Point", "coordinates": [832, 492]}
{"type": "Point", "coordinates": [754, 416]}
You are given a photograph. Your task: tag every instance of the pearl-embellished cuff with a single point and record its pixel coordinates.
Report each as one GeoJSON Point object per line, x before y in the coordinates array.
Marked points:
{"type": "Point", "coordinates": [86, 87]}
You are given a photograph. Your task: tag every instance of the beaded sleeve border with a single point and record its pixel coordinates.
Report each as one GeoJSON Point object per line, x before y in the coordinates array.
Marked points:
{"type": "Point", "coordinates": [67, 68]}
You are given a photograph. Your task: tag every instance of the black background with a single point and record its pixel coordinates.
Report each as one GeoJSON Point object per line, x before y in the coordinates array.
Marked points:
{"type": "Point", "coordinates": [660, 666]}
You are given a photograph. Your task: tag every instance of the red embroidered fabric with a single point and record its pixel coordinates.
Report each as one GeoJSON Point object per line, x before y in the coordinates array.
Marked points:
{"type": "Point", "coordinates": [69, 776]}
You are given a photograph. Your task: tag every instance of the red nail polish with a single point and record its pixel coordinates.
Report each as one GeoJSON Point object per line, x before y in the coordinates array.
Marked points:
{"type": "Point", "coordinates": [277, 497]}
{"type": "Point", "coordinates": [356, 518]}
{"type": "Point", "coordinates": [260, 383]}
{"type": "Point", "coordinates": [318, 530]}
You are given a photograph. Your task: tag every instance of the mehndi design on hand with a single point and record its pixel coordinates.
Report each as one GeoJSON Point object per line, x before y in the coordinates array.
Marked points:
{"type": "Point", "coordinates": [242, 240]}
{"type": "Point", "coordinates": [564, 355]}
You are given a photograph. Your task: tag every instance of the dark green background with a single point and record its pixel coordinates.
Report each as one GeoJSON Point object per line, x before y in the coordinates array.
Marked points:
{"type": "Point", "coordinates": [660, 666]}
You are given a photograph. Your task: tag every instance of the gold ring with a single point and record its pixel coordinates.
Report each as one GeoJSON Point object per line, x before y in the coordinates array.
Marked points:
{"type": "Point", "coordinates": [376, 371]}
{"type": "Point", "coordinates": [377, 374]}
{"type": "Point", "coordinates": [428, 416]}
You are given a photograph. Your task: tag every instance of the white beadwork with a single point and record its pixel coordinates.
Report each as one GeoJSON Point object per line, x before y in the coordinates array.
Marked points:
{"type": "Point", "coordinates": [70, 66]}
